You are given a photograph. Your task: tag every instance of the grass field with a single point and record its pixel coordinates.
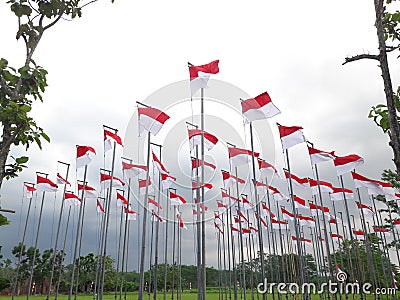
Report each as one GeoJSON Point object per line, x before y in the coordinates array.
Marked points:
{"type": "Point", "coordinates": [211, 295]}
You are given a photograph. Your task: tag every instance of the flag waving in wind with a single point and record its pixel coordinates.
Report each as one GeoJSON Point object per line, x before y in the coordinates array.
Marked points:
{"type": "Point", "coordinates": [109, 138]}
{"type": "Point", "coordinates": [238, 157]}
{"type": "Point", "coordinates": [45, 185]}
{"type": "Point", "coordinates": [84, 155]}
{"type": "Point", "coordinates": [151, 119]}
{"type": "Point", "coordinates": [131, 170]}
{"type": "Point", "coordinates": [199, 75]}
{"type": "Point", "coordinates": [195, 139]}
{"type": "Point", "coordinates": [345, 164]}
{"type": "Point", "coordinates": [258, 108]}
{"type": "Point", "coordinates": [291, 136]}
{"type": "Point", "coordinates": [318, 156]}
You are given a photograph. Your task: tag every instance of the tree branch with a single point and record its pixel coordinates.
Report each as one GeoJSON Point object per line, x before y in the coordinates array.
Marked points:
{"type": "Point", "coordinates": [4, 85]}
{"type": "Point", "coordinates": [392, 48]}
{"type": "Point", "coordinates": [359, 57]}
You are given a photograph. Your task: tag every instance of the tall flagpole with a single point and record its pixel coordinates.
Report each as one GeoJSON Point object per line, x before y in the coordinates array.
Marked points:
{"type": "Point", "coordinates": [58, 231]}
{"type": "Point", "coordinates": [143, 250]}
{"type": "Point", "coordinates": [36, 242]}
{"type": "Point", "coordinates": [117, 279]}
{"type": "Point", "coordinates": [166, 248]}
{"type": "Point", "coordinates": [22, 246]}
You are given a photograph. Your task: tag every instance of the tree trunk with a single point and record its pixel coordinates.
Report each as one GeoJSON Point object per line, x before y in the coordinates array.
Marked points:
{"type": "Point", "coordinates": [394, 127]}
{"type": "Point", "coordinates": [4, 151]}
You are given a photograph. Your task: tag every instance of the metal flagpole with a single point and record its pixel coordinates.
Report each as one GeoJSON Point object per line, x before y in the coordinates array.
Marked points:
{"type": "Point", "coordinates": [36, 242]}
{"type": "Point", "coordinates": [233, 250]}
{"type": "Point", "coordinates": [153, 219]}
{"type": "Point", "coordinates": [22, 246]}
{"type": "Point", "coordinates": [117, 279]}
{"type": "Point", "coordinates": [224, 256]}
{"type": "Point", "coordinates": [143, 250]}
{"type": "Point", "coordinates": [58, 232]}
{"type": "Point", "coordinates": [166, 248]}
{"type": "Point", "coordinates": [394, 234]}
{"type": "Point", "coordinates": [173, 257]}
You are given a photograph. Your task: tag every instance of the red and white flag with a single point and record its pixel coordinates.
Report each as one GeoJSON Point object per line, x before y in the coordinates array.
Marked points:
{"type": "Point", "coordinates": [300, 182]}
{"type": "Point", "coordinates": [179, 217]}
{"type": "Point", "coordinates": [365, 209]}
{"type": "Point", "coordinates": [44, 184]}
{"type": "Point", "coordinates": [121, 200]}
{"type": "Point", "coordinates": [261, 188]}
{"type": "Point", "coordinates": [153, 205]}
{"type": "Point", "coordinates": [235, 231]}
{"type": "Point", "coordinates": [199, 75]}
{"type": "Point", "coordinates": [131, 213]}
{"type": "Point", "coordinates": [218, 229]}
{"type": "Point", "coordinates": [61, 180]}
{"type": "Point", "coordinates": [339, 194]}
{"type": "Point", "coordinates": [105, 181]}
{"type": "Point", "coordinates": [242, 216]}
{"type": "Point", "coordinates": [222, 208]}
{"type": "Point", "coordinates": [396, 224]}
{"type": "Point", "coordinates": [299, 203]}
{"type": "Point", "coordinates": [246, 232]}
{"type": "Point", "coordinates": [156, 218]}
{"type": "Point", "coordinates": [167, 181]}
{"type": "Point", "coordinates": [195, 139]}
{"type": "Point", "coordinates": [359, 235]}
{"type": "Point", "coordinates": [132, 170]}
{"type": "Point", "coordinates": [238, 157]}
{"type": "Point", "coordinates": [373, 186]}
{"type": "Point", "coordinates": [291, 136]}
{"type": "Point", "coordinates": [246, 204]}
{"type": "Point", "coordinates": [258, 108]}
{"type": "Point", "coordinates": [287, 215]}
{"type": "Point", "coordinates": [176, 199]}
{"type": "Point", "coordinates": [319, 210]}
{"type": "Point", "coordinates": [151, 119]}
{"type": "Point", "coordinates": [230, 180]}
{"type": "Point", "coordinates": [90, 192]}
{"type": "Point", "coordinates": [142, 186]}
{"type": "Point", "coordinates": [84, 155]}
{"type": "Point", "coordinates": [226, 198]}
{"type": "Point", "coordinates": [279, 224]}
{"type": "Point", "coordinates": [265, 166]}
{"type": "Point", "coordinates": [277, 195]}
{"type": "Point", "coordinates": [197, 165]}
{"type": "Point", "coordinates": [253, 230]}
{"type": "Point", "coordinates": [348, 163]}
{"type": "Point", "coordinates": [336, 237]}
{"type": "Point", "coordinates": [262, 220]}
{"type": "Point", "coordinates": [29, 191]}
{"type": "Point", "coordinates": [319, 156]}
{"type": "Point", "coordinates": [158, 165]}
{"type": "Point", "coordinates": [109, 139]}
{"type": "Point", "coordinates": [324, 186]}
{"type": "Point", "coordinates": [266, 211]}
{"type": "Point", "coordinates": [217, 219]}
{"type": "Point", "coordinates": [388, 190]}
{"type": "Point", "coordinates": [99, 207]}
{"type": "Point", "coordinates": [207, 186]}
{"type": "Point", "coordinates": [382, 230]}
{"type": "Point", "coordinates": [70, 199]}
{"type": "Point", "coordinates": [306, 221]}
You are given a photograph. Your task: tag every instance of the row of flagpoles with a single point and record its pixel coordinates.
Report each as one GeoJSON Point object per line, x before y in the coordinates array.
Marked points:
{"type": "Point", "coordinates": [245, 225]}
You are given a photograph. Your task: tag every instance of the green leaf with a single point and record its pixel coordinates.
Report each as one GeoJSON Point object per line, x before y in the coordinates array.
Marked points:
{"type": "Point", "coordinates": [45, 136]}
{"type": "Point", "coordinates": [22, 159]}
{"type": "Point", "coordinates": [3, 63]}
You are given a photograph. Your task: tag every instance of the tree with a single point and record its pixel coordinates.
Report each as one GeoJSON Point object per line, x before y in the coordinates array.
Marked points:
{"type": "Point", "coordinates": [20, 87]}
{"type": "Point", "coordinates": [386, 115]}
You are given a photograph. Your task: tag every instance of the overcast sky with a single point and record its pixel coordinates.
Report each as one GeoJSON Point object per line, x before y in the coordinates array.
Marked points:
{"type": "Point", "coordinates": [120, 53]}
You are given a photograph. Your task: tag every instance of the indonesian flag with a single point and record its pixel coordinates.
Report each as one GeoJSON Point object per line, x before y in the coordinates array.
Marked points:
{"type": "Point", "coordinates": [246, 204]}
{"type": "Point", "coordinates": [396, 223]}
{"type": "Point", "coordinates": [238, 157]}
{"type": "Point", "coordinates": [195, 139]}
{"type": "Point", "coordinates": [121, 200]}
{"type": "Point", "coordinates": [179, 217]}
{"type": "Point", "coordinates": [259, 108]}
{"type": "Point", "coordinates": [218, 229]}
{"type": "Point", "coordinates": [345, 164]}
{"type": "Point", "coordinates": [132, 170]}
{"type": "Point", "coordinates": [153, 204]}
{"type": "Point", "coordinates": [201, 206]}
{"type": "Point", "coordinates": [199, 75]}
{"type": "Point", "coordinates": [334, 220]}
{"type": "Point", "coordinates": [105, 181]}
{"type": "Point", "coordinates": [61, 180]}
{"type": "Point", "coordinates": [291, 136]}
{"type": "Point", "coordinates": [84, 155]}
{"type": "Point", "coordinates": [299, 203]}
{"type": "Point", "coordinates": [207, 186]}
{"type": "Point", "coordinates": [29, 191]}
{"type": "Point", "coordinates": [302, 239]}
{"type": "Point", "coordinates": [167, 181]}
{"type": "Point", "coordinates": [222, 208]}
{"type": "Point", "coordinates": [382, 230]}
{"type": "Point", "coordinates": [317, 209]}
{"type": "Point", "coordinates": [44, 184]}
{"type": "Point", "coordinates": [156, 218]}
{"type": "Point", "coordinates": [340, 194]}
{"type": "Point", "coordinates": [253, 230]}
{"type": "Point", "coordinates": [336, 237]}
{"type": "Point", "coordinates": [197, 165]}
{"type": "Point", "coordinates": [365, 209]}
{"type": "Point", "coordinates": [261, 188]}
{"type": "Point", "coordinates": [300, 182]}
{"type": "Point", "coordinates": [176, 199]}
{"type": "Point", "coordinates": [373, 186]}
{"type": "Point", "coordinates": [325, 187]}
{"type": "Point", "coordinates": [70, 199]}
{"type": "Point", "coordinates": [261, 220]}
{"type": "Point", "coordinates": [276, 224]}
{"type": "Point", "coordinates": [226, 198]}
{"type": "Point", "coordinates": [359, 235]}
{"type": "Point", "coordinates": [287, 215]}
{"type": "Point", "coordinates": [265, 166]}
{"type": "Point", "coordinates": [246, 232]}
{"type": "Point", "coordinates": [131, 213]}
{"type": "Point", "coordinates": [278, 196]}
{"type": "Point", "coordinates": [230, 180]}
{"type": "Point", "coordinates": [235, 231]}
{"type": "Point", "coordinates": [109, 139]}
{"type": "Point", "coordinates": [90, 192]}
{"type": "Point", "coordinates": [151, 119]}
{"type": "Point", "coordinates": [217, 219]}
{"type": "Point", "coordinates": [237, 219]}
{"type": "Point", "coordinates": [142, 186]}
{"type": "Point", "coordinates": [266, 211]}
{"type": "Point", "coordinates": [241, 215]}
{"type": "Point", "coordinates": [306, 221]}
{"type": "Point", "coordinates": [158, 165]}
{"type": "Point", "coordinates": [339, 269]}
{"type": "Point", "coordinates": [388, 190]}
{"type": "Point", "coordinates": [318, 156]}
{"type": "Point", "coordinates": [99, 207]}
